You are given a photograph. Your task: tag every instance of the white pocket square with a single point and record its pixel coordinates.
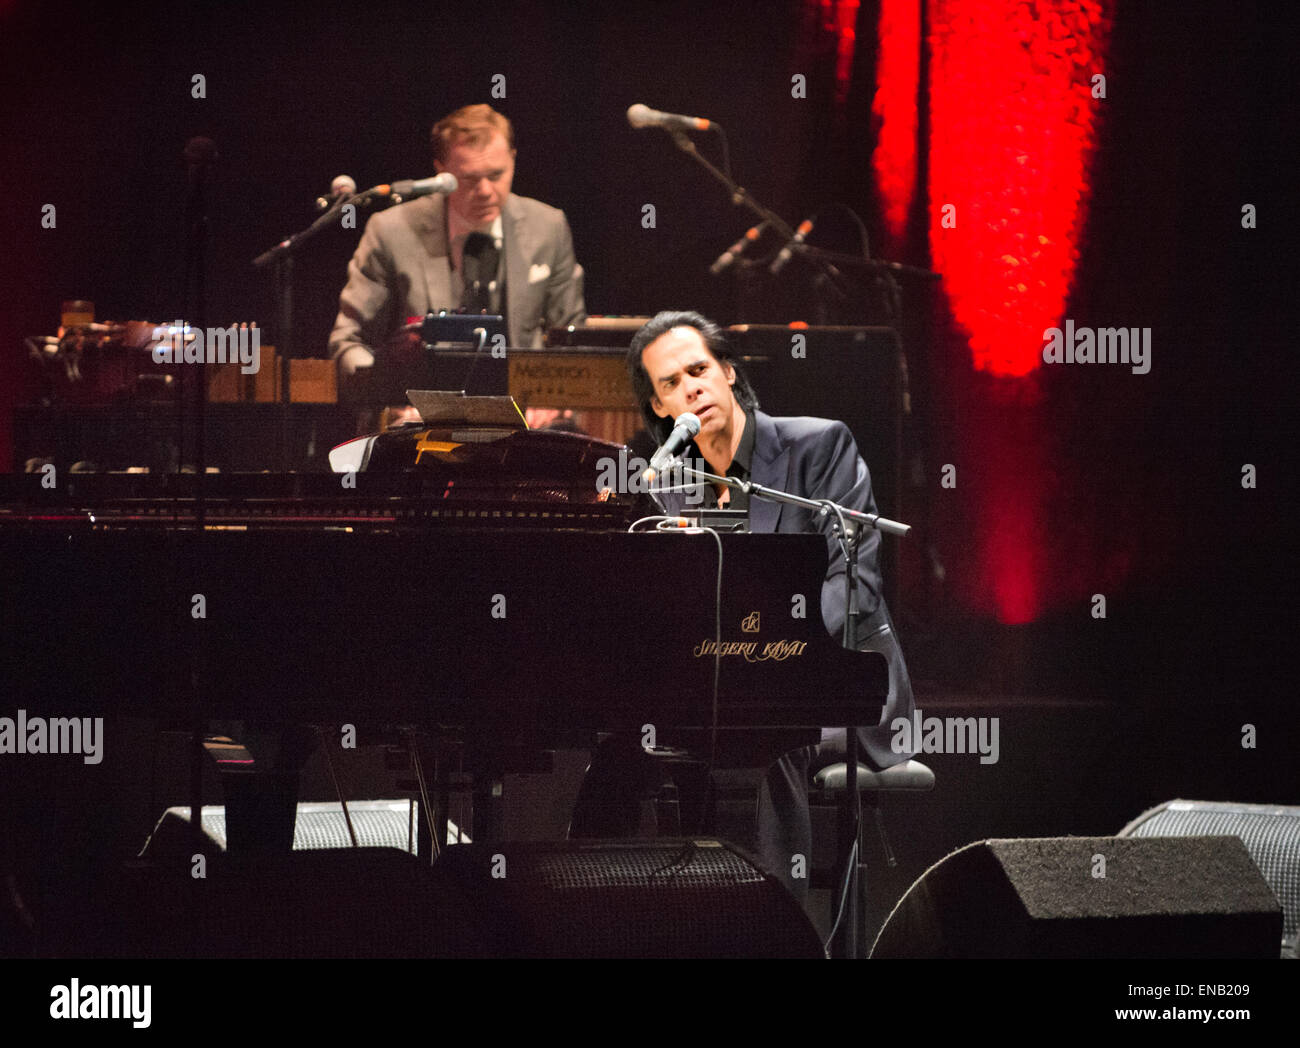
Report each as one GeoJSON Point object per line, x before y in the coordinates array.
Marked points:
{"type": "Point", "coordinates": [538, 273]}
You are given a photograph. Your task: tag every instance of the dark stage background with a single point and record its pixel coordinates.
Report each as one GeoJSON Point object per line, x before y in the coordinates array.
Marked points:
{"type": "Point", "coordinates": [1135, 480]}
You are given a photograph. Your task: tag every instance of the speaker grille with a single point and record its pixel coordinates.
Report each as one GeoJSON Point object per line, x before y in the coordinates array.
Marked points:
{"type": "Point", "coordinates": [1271, 835]}
{"type": "Point", "coordinates": [693, 865]}
{"type": "Point", "coordinates": [320, 825]}
{"type": "Point", "coordinates": [661, 898]}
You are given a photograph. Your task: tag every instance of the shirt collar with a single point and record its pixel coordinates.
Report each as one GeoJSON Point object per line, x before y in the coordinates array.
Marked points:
{"type": "Point", "coordinates": [743, 461]}
{"type": "Point", "coordinates": [458, 232]}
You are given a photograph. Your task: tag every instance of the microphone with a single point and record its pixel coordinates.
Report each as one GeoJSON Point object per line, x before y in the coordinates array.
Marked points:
{"type": "Point", "coordinates": [685, 427]}
{"type": "Point", "coordinates": [787, 252]}
{"type": "Point", "coordinates": [729, 257]}
{"type": "Point", "coordinates": [343, 185]}
{"type": "Point", "coordinates": [643, 116]}
{"type": "Point", "coordinates": [409, 189]}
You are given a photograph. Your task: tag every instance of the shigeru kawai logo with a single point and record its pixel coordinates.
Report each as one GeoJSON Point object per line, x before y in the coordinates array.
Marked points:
{"type": "Point", "coordinates": [750, 650]}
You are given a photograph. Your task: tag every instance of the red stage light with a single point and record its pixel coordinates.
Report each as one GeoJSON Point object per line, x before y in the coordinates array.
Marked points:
{"type": "Point", "coordinates": [1013, 123]}
{"type": "Point", "coordinates": [898, 73]}
{"type": "Point", "coordinates": [1012, 126]}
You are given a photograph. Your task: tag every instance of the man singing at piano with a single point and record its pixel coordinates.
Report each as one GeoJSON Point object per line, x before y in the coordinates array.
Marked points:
{"type": "Point", "coordinates": [411, 257]}
{"type": "Point", "coordinates": [680, 362]}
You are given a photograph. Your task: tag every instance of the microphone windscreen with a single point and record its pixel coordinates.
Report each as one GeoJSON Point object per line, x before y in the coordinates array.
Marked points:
{"type": "Point", "coordinates": [639, 115]}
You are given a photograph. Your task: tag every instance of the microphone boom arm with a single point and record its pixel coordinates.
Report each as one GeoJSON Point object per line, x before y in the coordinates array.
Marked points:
{"type": "Point", "coordinates": [821, 506]}
{"type": "Point", "coordinates": [742, 197]}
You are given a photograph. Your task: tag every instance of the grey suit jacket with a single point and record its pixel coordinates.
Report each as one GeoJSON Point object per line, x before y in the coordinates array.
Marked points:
{"type": "Point", "coordinates": [402, 268]}
{"type": "Point", "coordinates": [818, 458]}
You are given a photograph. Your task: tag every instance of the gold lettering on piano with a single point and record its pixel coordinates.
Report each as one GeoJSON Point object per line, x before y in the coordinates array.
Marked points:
{"type": "Point", "coordinates": [776, 650]}
{"type": "Point", "coordinates": [749, 624]}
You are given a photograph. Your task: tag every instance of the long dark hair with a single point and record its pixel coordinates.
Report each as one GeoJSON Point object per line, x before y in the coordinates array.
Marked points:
{"type": "Point", "coordinates": [643, 387]}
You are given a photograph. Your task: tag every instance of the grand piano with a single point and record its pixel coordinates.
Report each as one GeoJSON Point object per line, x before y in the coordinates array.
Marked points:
{"type": "Point", "coordinates": [490, 587]}
{"type": "Point", "coordinates": [476, 585]}
{"type": "Point", "coordinates": [472, 588]}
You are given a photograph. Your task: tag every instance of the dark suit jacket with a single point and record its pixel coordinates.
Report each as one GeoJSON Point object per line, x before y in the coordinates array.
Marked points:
{"type": "Point", "coordinates": [402, 268]}
{"type": "Point", "coordinates": [818, 458]}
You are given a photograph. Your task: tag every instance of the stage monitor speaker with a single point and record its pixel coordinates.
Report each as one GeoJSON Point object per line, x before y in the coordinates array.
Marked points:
{"type": "Point", "coordinates": [636, 898]}
{"type": "Point", "coordinates": [1270, 833]}
{"type": "Point", "coordinates": [378, 824]}
{"type": "Point", "coordinates": [1088, 897]}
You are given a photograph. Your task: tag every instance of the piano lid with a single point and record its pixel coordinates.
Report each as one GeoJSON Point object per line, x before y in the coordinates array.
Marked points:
{"type": "Point", "coordinates": [412, 477]}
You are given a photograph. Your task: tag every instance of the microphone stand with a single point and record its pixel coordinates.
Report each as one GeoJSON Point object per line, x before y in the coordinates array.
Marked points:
{"type": "Point", "coordinates": [282, 256]}
{"type": "Point", "coordinates": [850, 813]}
{"type": "Point", "coordinates": [823, 260]}
{"type": "Point", "coordinates": [822, 506]}
{"type": "Point", "coordinates": [199, 154]}
{"type": "Point", "coordinates": [739, 194]}
{"type": "Point", "coordinates": [875, 264]}
{"type": "Point", "coordinates": [744, 198]}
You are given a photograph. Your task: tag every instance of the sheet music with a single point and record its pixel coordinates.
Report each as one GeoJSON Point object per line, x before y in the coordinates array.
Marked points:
{"type": "Point", "coordinates": [446, 408]}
